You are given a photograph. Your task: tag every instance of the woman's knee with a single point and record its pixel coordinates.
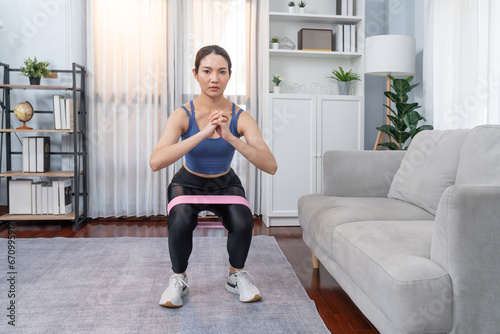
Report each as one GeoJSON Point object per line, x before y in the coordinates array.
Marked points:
{"type": "Point", "coordinates": [182, 218]}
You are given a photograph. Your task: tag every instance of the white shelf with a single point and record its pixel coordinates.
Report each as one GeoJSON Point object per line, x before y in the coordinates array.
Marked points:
{"type": "Point", "coordinates": [313, 54]}
{"type": "Point", "coordinates": [315, 18]}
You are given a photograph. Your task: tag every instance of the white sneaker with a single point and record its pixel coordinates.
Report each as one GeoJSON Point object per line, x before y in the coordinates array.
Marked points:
{"type": "Point", "coordinates": [177, 287]}
{"type": "Point", "coordinates": [240, 284]}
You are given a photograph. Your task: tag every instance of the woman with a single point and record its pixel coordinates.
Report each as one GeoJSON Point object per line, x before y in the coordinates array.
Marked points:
{"type": "Point", "coordinates": [210, 127]}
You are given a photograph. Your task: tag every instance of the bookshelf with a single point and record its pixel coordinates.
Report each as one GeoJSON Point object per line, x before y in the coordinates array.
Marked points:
{"type": "Point", "coordinates": [78, 152]}
{"type": "Point", "coordinates": [308, 113]}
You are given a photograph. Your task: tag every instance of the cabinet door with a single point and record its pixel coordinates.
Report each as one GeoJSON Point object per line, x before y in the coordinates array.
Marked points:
{"type": "Point", "coordinates": [340, 126]}
{"type": "Point", "coordinates": [293, 123]}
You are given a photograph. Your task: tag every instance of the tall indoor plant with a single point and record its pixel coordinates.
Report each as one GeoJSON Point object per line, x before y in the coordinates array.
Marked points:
{"type": "Point", "coordinates": [404, 120]}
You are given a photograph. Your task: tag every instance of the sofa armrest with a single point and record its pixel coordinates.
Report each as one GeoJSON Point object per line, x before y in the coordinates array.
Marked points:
{"type": "Point", "coordinates": [359, 173]}
{"type": "Point", "coordinates": [465, 243]}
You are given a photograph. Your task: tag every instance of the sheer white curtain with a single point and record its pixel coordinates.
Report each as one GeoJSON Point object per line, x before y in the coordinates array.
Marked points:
{"type": "Point", "coordinates": [127, 105]}
{"type": "Point", "coordinates": [461, 63]}
{"type": "Point", "coordinates": [140, 57]}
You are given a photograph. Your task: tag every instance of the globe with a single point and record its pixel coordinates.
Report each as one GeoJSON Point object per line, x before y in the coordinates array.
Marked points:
{"type": "Point", "coordinates": [24, 111]}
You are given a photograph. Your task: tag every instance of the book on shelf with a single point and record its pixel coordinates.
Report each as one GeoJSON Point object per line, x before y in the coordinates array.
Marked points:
{"type": "Point", "coordinates": [347, 38]}
{"type": "Point", "coordinates": [36, 154]}
{"type": "Point", "coordinates": [339, 38]}
{"type": "Point", "coordinates": [353, 38]}
{"type": "Point", "coordinates": [40, 198]}
{"type": "Point", "coordinates": [345, 7]}
{"type": "Point", "coordinates": [69, 113]}
{"type": "Point", "coordinates": [20, 197]}
{"type": "Point", "coordinates": [63, 112]}
{"type": "Point", "coordinates": [25, 154]}
{"type": "Point", "coordinates": [56, 102]}
{"type": "Point", "coordinates": [65, 204]}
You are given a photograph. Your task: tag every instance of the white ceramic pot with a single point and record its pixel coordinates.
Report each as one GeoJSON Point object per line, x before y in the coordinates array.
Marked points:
{"type": "Point", "coordinates": [276, 46]}
{"type": "Point", "coordinates": [291, 9]}
{"type": "Point", "coordinates": [302, 10]}
{"type": "Point", "coordinates": [276, 90]}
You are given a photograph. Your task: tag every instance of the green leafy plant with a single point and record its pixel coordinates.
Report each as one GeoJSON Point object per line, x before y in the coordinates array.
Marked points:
{"type": "Point", "coordinates": [342, 76]}
{"type": "Point", "coordinates": [277, 79]}
{"type": "Point", "coordinates": [291, 4]}
{"type": "Point", "coordinates": [34, 68]}
{"type": "Point", "coordinates": [302, 4]}
{"type": "Point", "coordinates": [275, 40]}
{"type": "Point", "coordinates": [405, 118]}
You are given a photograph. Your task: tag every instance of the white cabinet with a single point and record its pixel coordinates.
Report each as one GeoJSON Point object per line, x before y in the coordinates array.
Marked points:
{"type": "Point", "coordinates": [300, 128]}
{"type": "Point", "coordinates": [307, 117]}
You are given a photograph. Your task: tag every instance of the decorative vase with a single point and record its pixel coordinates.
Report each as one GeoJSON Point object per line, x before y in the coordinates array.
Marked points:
{"type": "Point", "coordinates": [344, 87]}
{"type": "Point", "coordinates": [276, 46]}
{"type": "Point", "coordinates": [35, 81]}
{"type": "Point", "coordinates": [291, 9]}
{"type": "Point", "coordinates": [302, 10]}
{"type": "Point", "coordinates": [276, 89]}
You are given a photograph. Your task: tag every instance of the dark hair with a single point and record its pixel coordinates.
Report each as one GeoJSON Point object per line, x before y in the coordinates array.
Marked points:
{"type": "Point", "coordinates": [208, 50]}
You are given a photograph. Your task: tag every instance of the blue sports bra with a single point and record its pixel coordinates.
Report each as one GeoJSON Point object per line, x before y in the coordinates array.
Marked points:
{"type": "Point", "coordinates": [211, 156]}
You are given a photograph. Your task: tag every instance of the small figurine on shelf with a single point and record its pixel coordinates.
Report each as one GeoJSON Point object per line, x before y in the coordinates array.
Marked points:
{"type": "Point", "coordinates": [34, 70]}
{"type": "Point", "coordinates": [302, 7]}
{"type": "Point", "coordinates": [275, 42]}
{"type": "Point", "coordinates": [277, 79]}
{"type": "Point", "coordinates": [291, 7]}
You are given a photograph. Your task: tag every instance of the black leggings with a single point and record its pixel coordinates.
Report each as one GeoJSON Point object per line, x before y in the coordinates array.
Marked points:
{"type": "Point", "coordinates": [183, 218]}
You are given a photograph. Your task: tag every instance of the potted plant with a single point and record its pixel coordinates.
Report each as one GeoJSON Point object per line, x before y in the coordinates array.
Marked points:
{"type": "Point", "coordinates": [344, 80]}
{"type": "Point", "coordinates": [275, 42]}
{"type": "Point", "coordinates": [291, 7]}
{"type": "Point", "coordinates": [277, 79]}
{"type": "Point", "coordinates": [302, 7]}
{"type": "Point", "coordinates": [34, 70]}
{"type": "Point", "coordinates": [405, 119]}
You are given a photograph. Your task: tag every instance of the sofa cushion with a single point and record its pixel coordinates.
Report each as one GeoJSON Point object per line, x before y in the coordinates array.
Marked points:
{"type": "Point", "coordinates": [390, 262]}
{"type": "Point", "coordinates": [480, 157]}
{"type": "Point", "coordinates": [428, 168]}
{"type": "Point", "coordinates": [319, 214]}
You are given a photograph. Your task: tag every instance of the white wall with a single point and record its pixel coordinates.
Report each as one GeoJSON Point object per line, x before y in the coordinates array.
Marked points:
{"type": "Point", "coordinates": [395, 17]}
{"type": "Point", "coordinates": [51, 30]}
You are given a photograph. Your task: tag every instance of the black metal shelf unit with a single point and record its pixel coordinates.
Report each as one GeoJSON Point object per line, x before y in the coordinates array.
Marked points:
{"type": "Point", "coordinates": [79, 152]}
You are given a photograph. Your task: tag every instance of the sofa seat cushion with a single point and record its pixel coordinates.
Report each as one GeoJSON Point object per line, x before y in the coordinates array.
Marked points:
{"type": "Point", "coordinates": [390, 262]}
{"type": "Point", "coordinates": [319, 214]}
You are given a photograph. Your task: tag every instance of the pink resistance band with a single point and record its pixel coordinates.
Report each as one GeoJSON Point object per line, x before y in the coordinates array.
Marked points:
{"type": "Point", "coordinates": [207, 199]}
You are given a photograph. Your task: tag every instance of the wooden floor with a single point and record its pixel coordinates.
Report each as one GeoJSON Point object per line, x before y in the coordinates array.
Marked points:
{"type": "Point", "coordinates": [336, 309]}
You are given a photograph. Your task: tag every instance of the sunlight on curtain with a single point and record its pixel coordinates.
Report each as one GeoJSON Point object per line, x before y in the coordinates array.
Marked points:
{"type": "Point", "coordinates": [127, 70]}
{"type": "Point", "coordinates": [461, 63]}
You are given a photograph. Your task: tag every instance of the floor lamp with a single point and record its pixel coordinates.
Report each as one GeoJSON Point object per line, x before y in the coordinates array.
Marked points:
{"type": "Point", "coordinates": [389, 55]}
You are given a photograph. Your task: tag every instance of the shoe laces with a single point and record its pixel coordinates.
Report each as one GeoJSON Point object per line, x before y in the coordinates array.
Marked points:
{"type": "Point", "coordinates": [174, 279]}
{"type": "Point", "coordinates": [242, 277]}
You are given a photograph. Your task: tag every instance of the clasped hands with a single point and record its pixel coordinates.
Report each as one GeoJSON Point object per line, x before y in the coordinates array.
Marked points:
{"type": "Point", "coordinates": [219, 122]}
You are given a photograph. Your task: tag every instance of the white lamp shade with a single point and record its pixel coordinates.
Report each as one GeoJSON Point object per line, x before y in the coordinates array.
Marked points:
{"type": "Point", "coordinates": [390, 54]}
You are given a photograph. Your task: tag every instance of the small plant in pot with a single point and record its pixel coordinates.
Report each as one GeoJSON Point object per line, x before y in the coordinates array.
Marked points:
{"type": "Point", "coordinates": [34, 70]}
{"type": "Point", "coordinates": [344, 80]}
{"type": "Point", "coordinates": [404, 120]}
{"type": "Point", "coordinates": [291, 7]}
{"type": "Point", "coordinates": [302, 7]}
{"type": "Point", "coordinates": [275, 42]}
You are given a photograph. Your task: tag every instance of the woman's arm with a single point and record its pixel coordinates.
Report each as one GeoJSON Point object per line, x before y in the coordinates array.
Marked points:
{"type": "Point", "coordinates": [255, 148]}
{"type": "Point", "coordinates": [169, 149]}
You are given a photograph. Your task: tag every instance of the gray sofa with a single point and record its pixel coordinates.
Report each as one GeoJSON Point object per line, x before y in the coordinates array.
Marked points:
{"type": "Point", "coordinates": [414, 237]}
